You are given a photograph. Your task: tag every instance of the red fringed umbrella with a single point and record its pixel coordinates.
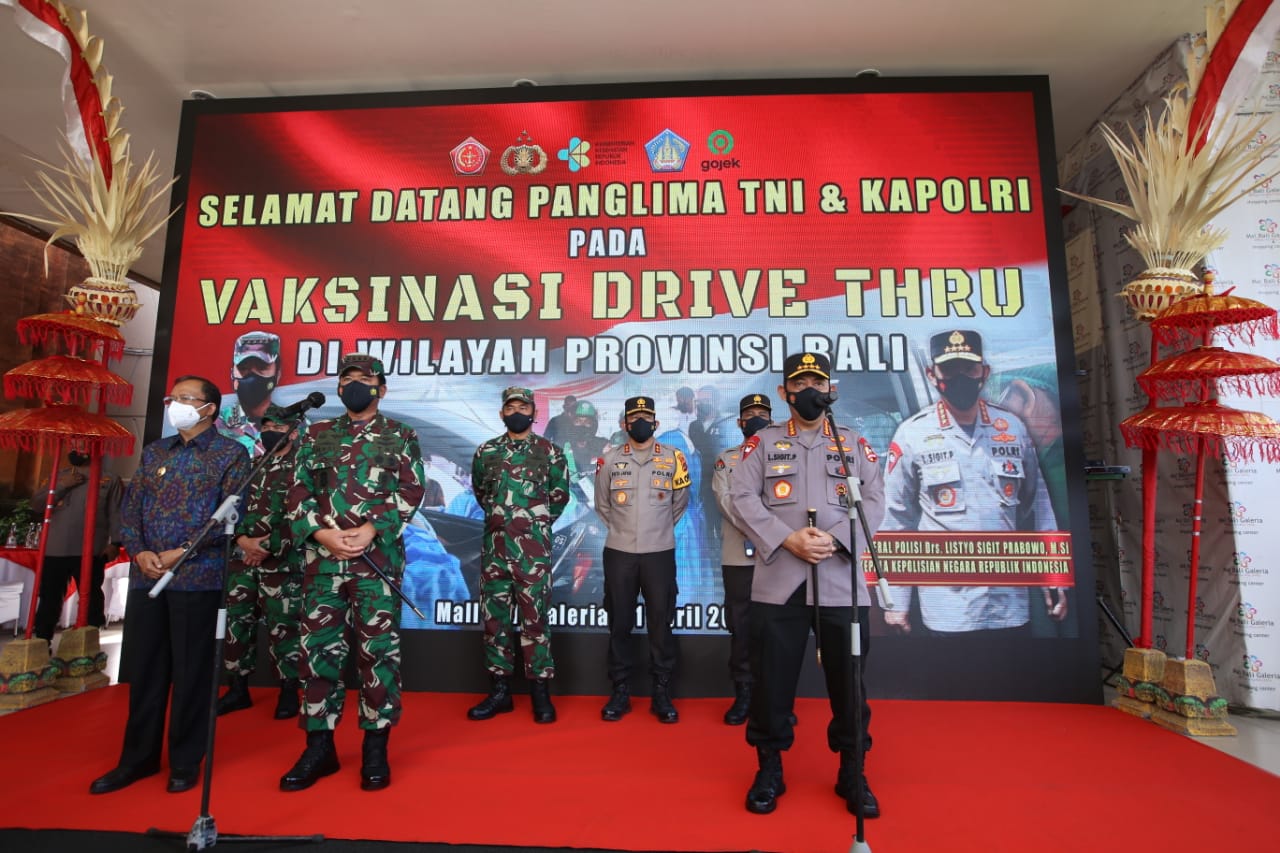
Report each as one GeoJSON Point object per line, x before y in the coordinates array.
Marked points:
{"type": "Point", "coordinates": [52, 427]}
{"type": "Point", "coordinates": [1204, 371]}
{"type": "Point", "coordinates": [70, 379]}
{"type": "Point", "coordinates": [1197, 316]}
{"type": "Point", "coordinates": [78, 331]}
{"type": "Point", "coordinates": [1209, 426]}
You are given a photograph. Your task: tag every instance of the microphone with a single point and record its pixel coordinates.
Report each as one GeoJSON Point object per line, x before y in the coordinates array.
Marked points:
{"type": "Point", "coordinates": [314, 400]}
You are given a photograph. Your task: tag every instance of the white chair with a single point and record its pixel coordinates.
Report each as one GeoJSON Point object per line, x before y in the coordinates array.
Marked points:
{"type": "Point", "coordinates": [10, 604]}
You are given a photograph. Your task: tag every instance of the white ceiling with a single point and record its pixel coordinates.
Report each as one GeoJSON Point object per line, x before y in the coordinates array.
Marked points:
{"type": "Point", "coordinates": [159, 51]}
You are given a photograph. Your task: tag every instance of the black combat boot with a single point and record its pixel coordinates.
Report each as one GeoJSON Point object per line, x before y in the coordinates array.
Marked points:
{"type": "Point", "coordinates": [844, 787]}
{"type": "Point", "coordinates": [319, 759]}
{"type": "Point", "coordinates": [768, 784]}
{"type": "Point", "coordinates": [287, 704]}
{"type": "Point", "coordinates": [237, 697]}
{"type": "Point", "coordinates": [741, 707]}
{"type": "Point", "coordinates": [497, 702]}
{"type": "Point", "coordinates": [540, 693]}
{"type": "Point", "coordinates": [619, 704]}
{"type": "Point", "coordinates": [375, 772]}
{"type": "Point", "coordinates": [660, 701]}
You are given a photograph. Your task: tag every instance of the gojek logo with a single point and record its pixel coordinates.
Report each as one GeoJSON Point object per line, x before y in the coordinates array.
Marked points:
{"type": "Point", "coordinates": [720, 142]}
{"type": "Point", "coordinates": [575, 154]}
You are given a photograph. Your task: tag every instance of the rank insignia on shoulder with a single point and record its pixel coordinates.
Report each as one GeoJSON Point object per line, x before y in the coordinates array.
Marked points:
{"type": "Point", "coordinates": [867, 451]}
{"type": "Point", "coordinates": [719, 464]}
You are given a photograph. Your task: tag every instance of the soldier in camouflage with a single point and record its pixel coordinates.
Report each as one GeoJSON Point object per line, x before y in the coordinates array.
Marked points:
{"type": "Point", "coordinates": [521, 481]}
{"type": "Point", "coordinates": [255, 373]}
{"type": "Point", "coordinates": [359, 479]}
{"type": "Point", "coordinates": [268, 580]}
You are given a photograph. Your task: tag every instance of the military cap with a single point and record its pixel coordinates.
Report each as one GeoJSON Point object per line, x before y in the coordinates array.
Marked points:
{"type": "Point", "coordinates": [260, 345]}
{"type": "Point", "coordinates": [806, 362]}
{"type": "Point", "coordinates": [761, 400]}
{"type": "Point", "coordinates": [276, 414]}
{"type": "Point", "coordinates": [364, 361]}
{"type": "Point", "coordinates": [964, 344]}
{"type": "Point", "coordinates": [515, 392]}
{"type": "Point", "coordinates": [636, 405]}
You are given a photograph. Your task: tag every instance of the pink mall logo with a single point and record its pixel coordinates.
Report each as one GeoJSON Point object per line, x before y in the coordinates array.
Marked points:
{"type": "Point", "coordinates": [1252, 664]}
{"type": "Point", "coordinates": [1247, 612]}
{"type": "Point", "coordinates": [1240, 560]}
{"type": "Point", "coordinates": [1202, 652]}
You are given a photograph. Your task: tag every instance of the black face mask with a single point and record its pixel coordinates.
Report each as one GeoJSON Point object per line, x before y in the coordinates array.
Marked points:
{"type": "Point", "coordinates": [253, 390]}
{"type": "Point", "coordinates": [640, 431]}
{"type": "Point", "coordinates": [751, 426]}
{"type": "Point", "coordinates": [960, 391]}
{"type": "Point", "coordinates": [357, 396]}
{"type": "Point", "coordinates": [77, 460]}
{"type": "Point", "coordinates": [271, 440]}
{"type": "Point", "coordinates": [581, 432]}
{"type": "Point", "coordinates": [806, 404]}
{"type": "Point", "coordinates": [517, 422]}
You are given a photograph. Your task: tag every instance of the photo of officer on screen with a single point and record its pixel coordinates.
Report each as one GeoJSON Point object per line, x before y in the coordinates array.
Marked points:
{"type": "Point", "coordinates": [965, 464]}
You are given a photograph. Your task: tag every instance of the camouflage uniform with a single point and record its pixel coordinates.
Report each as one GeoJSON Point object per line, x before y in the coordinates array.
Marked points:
{"type": "Point", "coordinates": [522, 486]}
{"type": "Point", "coordinates": [273, 588]}
{"type": "Point", "coordinates": [354, 471]}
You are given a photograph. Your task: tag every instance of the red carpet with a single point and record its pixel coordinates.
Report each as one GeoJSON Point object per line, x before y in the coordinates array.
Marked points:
{"type": "Point", "coordinates": [950, 776]}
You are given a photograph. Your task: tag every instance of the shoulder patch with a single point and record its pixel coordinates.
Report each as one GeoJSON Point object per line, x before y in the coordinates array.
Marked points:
{"type": "Point", "coordinates": [895, 453]}
{"type": "Point", "coordinates": [867, 450]}
{"type": "Point", "coordinates": [681, 478]}
{"type": "Point", "coordinates": [750, 445]}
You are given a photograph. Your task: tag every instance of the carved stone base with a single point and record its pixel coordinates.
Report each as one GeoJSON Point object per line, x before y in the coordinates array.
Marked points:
{"type": "Point", "coordinates": [1194, 726]}
{"type": "Point", "coordinates": [80, 661]}
{"type": "Point", "coordinates": [1139, 684]}
{"type": "Point", "coordinates": [26, 675]}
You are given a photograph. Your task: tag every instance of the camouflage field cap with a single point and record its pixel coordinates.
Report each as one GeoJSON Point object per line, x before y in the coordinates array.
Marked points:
{"type": "Point", "coordinates": [363, 361]}
{"type": "Point", "coordinates": [753, 400]}
{"type": "Point", "coordinates": [964, 344]}
{"type": "Point", "coordinates": [276, 415]}
{"type": "Point", "coordinates": [806, 362]}
{"type": "Point", "coordinates": [515, 392]}
{"type": "Point", "coordinates": [638, 405]}
{"type": "Point", "coordinates": [264, 346]}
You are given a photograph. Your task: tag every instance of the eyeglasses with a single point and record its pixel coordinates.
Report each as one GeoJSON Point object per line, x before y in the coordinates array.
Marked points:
{"type": "Point", "coordinates": [185, 398]}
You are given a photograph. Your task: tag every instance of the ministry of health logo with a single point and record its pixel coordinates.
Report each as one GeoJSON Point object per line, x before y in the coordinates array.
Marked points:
{"type": "Point", "coordinates": [575, 154]}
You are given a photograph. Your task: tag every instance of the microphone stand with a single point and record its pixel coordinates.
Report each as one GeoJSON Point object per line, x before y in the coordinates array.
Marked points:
{"type": "Point", "coordinates": [854, 665]}
{"type": "Point", "coordinates": [204, 832]}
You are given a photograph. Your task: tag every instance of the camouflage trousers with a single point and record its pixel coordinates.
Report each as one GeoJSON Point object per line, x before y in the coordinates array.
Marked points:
{"type": "Point", "coordinates": [510, 591]}
{"type": "Point", "coordinates": [274, 596]}
{"type": "Point", "coordinates": [331, 603]}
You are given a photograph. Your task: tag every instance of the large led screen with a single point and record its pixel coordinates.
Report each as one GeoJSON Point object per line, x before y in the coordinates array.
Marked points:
{"type": "Point", "coordinates": [674, 241]}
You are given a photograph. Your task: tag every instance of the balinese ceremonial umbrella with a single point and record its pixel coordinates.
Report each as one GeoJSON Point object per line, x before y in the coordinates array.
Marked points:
{"type": "Point", "coordinates": [53, 428]}
{"type": "Point", "coordinates": [1195, 429]}
{"type": "Point", "coordinates": [77, 331]}
{"type": "Point", "coordinates": [1226, 314]}
{"type": "Point", "coordinates": [70, 379]}
{"type": "Point", "coordinates": [1204, 372]}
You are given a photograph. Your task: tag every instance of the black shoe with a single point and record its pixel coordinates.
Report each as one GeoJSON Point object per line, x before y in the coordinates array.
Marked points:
{"type": "Point", "coordinates": [619, 704]}
{"type": "Point", "coordinates": [741, 707]}
{"type": "Point", "coordinates": [497, 702]}
{"type": "Point", "coordinates": [237, 697]}
{"type": "Point", "coordinates": [121, 777]}
{"type": "Point", "coordinates": [762, 798]}
{"type": "Point", "coordinates": [375, 772]}
{"type": "Point", "coordinates": [543, 710]}
{"type": "Point", "coordinates": [287, 703]}
{"type": "Point", "coordinates": [319, 759]}
{"type": "Point", "coordinates": [182, 780]}
{"type": "Point", "coordinates": [844, 788]}
{"type": "Point", "coordinates": [660, 703]}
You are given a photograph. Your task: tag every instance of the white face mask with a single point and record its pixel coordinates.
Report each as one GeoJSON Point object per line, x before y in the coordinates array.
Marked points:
{"type": "Point", "coordinates": [181, 416]}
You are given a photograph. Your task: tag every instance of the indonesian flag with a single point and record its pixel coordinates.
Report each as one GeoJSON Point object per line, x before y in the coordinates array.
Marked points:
{"type": "Point", "coordinates": [1237, 57]}
{"type": "Point", "coordinates": [81, 101]}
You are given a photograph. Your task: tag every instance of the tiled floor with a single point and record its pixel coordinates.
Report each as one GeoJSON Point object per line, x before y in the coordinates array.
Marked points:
{"type": "Point", "coordinates": [1257, 741]}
